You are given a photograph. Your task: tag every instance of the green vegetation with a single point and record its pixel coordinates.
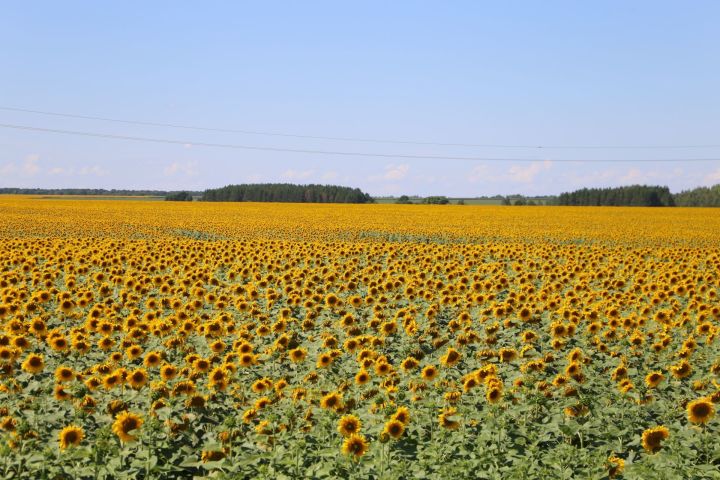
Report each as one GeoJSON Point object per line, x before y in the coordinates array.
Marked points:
{"type": "Point", "coordinates": [631, 196]}
{"type": "Point", "coordinates": [286, 192]}
{"type": "Point", "coordinates": [439, 200]}
{"type": "Point", "coordinates": [699, 197]}
{"type": "Point", "coordinates": [179, 197]}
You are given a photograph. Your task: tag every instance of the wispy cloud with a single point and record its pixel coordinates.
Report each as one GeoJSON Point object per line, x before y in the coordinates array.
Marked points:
{"type": "Point", "coordinates": [391, 173]}
{"type": "Point", "coordinates": [188, 169]}
{"type": "Point", "coordinates": [527, 173]}
{"type": "Point", "coordinates": [30, 164]}
{"type": "Point", "coordinates": [297, 175]}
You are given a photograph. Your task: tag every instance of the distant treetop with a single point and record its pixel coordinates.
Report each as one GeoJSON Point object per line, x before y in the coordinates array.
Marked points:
{"type": "Point", "coordinates": [286, 192]}
{"type": "Point", "coordinates": [631, 196]}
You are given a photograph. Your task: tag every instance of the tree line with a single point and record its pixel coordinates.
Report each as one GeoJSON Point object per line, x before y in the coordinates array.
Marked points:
{"type": "Point", "coordinates": [630, 196]}
{"type": "Point", "coordinates": [699, 197]}
{"type": "Point", "coordinates": [286, 192]}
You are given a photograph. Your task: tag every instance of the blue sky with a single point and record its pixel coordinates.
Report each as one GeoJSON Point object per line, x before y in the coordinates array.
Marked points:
{"type": "Point", "coordinates": [568, 73]}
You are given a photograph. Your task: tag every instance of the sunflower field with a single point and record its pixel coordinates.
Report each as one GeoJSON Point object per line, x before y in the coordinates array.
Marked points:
{"type": "Point", "coordinates": [193, 340]}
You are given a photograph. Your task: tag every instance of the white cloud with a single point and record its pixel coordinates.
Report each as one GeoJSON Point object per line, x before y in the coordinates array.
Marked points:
{"type": "Point", "coordinates": [527, 174]}
{"type": "Point", "coordinates": [396, 172]}
{"type": "Point", "coordinates": [176, 168]}
{"type": "Point", "coordinates": [297, 175]}
{"type": "Point", "coordinates": [8, 169]}
{"type": "Point", "coordinates": [478, 174]}
{"type": "Point", "coordinates": [392, 172]}
{"type": "Point", "coordinates": [634, 175]}
{"type": "Point", "coordinates": [30, 165]}
{"type": "Point", "coordinates": [329, 176]}
{"type": "Point", "coordinates": [95, 170]}
{"type": "Point", "coordinates": [713, 177]}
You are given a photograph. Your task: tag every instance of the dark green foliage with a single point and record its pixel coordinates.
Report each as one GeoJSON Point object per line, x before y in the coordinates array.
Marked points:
{"type": "Point", "coordinates": [699, 197]}
{"type": "Point", "coordinates": [286, 192]}
{"type": "Point", "coordinates": [436, 200]}
{"type": "Point", "coordinates": [631, 196]}
{"type": "Point", "coordinates": [179, 197]}
{"type": "Point", "coordinates": [403, 200]}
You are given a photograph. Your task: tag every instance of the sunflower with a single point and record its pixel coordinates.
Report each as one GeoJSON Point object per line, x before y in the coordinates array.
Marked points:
{"type": "Point", "coordinates": [409, 363]}
{"type": "Point", "coordinates": [125, 423]}
{"type": "Point", "coordinates": [152, 359]}
{"type": "Point", "coordinates": [362, 377]}
{"type": "Point", "coordinates": [451, 358]}
{"type": "Point", "coordinates": [349, 425]}
{"type": "Point", "coordinates": [201, 365]}
{"type": "Point", "coordinates": [355, 445]}
{"type": "Point", "coordinates": [681, 370]}
{"type": "Point", "coordinates": [324, 359]}
{"type": "Point", "coordinates": [137, 378]}
{"type": "Point", "coordinates": [218, 378]}
{"type": "Point", "coordinates": [59, 344]}
{"type": "Point", "coordinates": [247, 359]}
{"type": "Point", "coordinates": [71, 435]}
{"type": "Point", "coordinates": [402, 414]}
{"type": "Point", "coordinates": [331, 401]}
{"type": "Point", "coordinates": [394, 428]}
{"type": "Point", "coordinates": [493, 394]}
{"type": "Point", "coordinates": [429, 373]}
{"type": "Point", "coordinates": [133, 352]}
{"type": "Point", "coordinates": [653, 379]}
{"type": "Point", "coordinates": [64, 374]}
{"type": "Point", "coordinates": [652, 438]}
{"type": "Point", "coordinates": [297, 355]}
{"type": "Point", "coordinates": [507, 355]}
{"type": "Point", "coordinates": [446, 421]}
{"type": "Point", "coordinates": [615, 466]}
{"type": "Point", "coordinates": [33, 363]}
{"type": "Point", "coordinates": [60, 394]}
{"type": "Point", "coordinates": [168, 372]}
{"type": "Point", "coordinates": [383, 368]}
{"type": "Point", "coordinates": [700, 411]}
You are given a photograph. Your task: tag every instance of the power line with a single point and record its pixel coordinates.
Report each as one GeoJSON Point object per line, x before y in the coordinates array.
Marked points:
{"type": "Point", "coordinates": [354, 139]}
{"type": "Point", "coordinates": [339, 153]}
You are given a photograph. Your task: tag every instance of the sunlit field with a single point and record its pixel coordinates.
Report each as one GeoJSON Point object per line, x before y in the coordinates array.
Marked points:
{"type": "Point", "coordinates": [224, 340]}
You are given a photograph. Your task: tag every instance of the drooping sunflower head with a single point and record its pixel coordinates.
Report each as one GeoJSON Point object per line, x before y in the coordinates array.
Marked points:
{"type": "Point", "coordinates": [331, 401]}
{"type": "Point", "coordinates": [71, 435]}
{"type": "Point", "coordinates": [653, 379]}
{"type": "Point", "coordinates": [701, 410]}
{"type": "Point", "coordinates": [652, 438]}
{"type": "Point", "coordinates": [125, 423]}
{"type": "Point", "coordinates": [402, 414]}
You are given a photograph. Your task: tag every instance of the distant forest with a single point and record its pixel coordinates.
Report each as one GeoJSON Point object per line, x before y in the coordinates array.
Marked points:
{"type": "Point", "coordinates": [286, 192]}
{"type": "Point", "coordinates": [632, 196]}
{"type": "Point", "coordinates": [699, 197]}
{"type": "Point", "coordinates": [642, 195]}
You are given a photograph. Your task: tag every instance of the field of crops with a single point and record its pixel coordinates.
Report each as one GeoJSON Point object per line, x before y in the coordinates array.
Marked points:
{"type": "Point", "coordinates": [181, 340]}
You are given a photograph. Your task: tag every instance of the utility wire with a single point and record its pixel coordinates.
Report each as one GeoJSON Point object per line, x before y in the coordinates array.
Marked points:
{"type": "Point", "coordinates": [355, 139]}
{"type": "Point", "coordinates": [339, 153]}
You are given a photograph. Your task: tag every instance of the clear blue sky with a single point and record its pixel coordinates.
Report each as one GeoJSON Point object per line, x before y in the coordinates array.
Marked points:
{"type": "Point", "coordinates": [534, 72]}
